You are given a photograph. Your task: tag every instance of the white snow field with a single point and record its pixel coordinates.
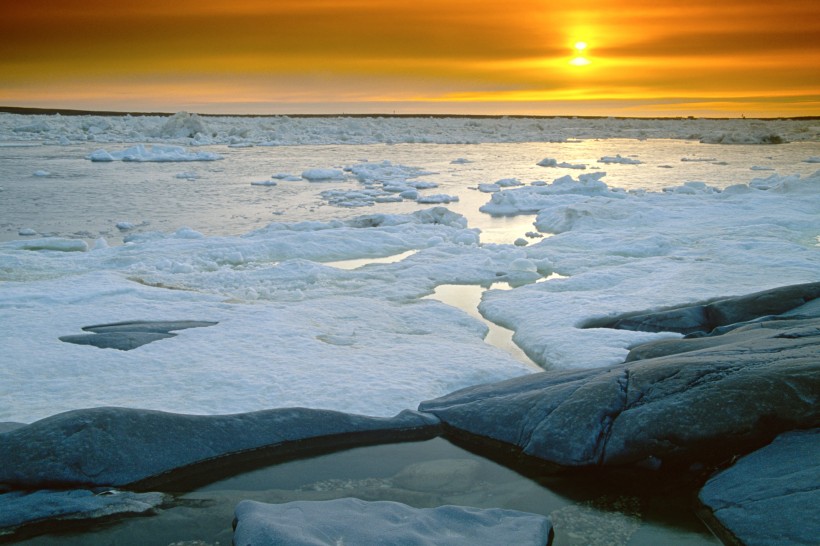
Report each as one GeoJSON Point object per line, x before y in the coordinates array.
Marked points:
{"type": "Point", "coordinates": [317, 244]}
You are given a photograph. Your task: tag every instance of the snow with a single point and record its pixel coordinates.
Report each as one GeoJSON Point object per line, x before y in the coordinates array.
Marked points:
{"type": "Point", "coordinates": [295, 329]}
{"type": "Point", "coordinates": [158, 153]}
{"type": "Point", "coordinates": [649, 250]}
{"type": "Point", "coordinates": [191, 129]}
{"type": "Point", "coordinates": [322, 175]}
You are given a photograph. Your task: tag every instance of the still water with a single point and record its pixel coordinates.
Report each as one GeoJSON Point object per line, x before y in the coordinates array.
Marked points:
{"type": "Point", "coordinates": [584, 510]}
{"type": "Point", "coordinates": [74, 197]}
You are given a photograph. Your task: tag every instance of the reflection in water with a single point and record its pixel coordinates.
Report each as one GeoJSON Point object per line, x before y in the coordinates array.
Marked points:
{"type": "Point", "coordinates": [467, 297]}
{"type": "Point", "coordinates": [424, 474]}
{"type": "Point", "coordinates": [361, 262]}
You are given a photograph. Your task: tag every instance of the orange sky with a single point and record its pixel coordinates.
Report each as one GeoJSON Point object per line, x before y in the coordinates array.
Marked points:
{"type": "Point", "coordinates": [699, 57]}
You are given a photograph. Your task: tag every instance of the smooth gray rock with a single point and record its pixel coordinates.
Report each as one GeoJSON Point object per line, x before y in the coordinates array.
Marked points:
{"type": "Point", "coordinates": [706, 317]}
{"type": "Point", "coordinates": [684, 320]}
{"type": "Point", "coordinates": [22, 508]}
{"type": "Point", "coordinates": [126, 336]}
{"type": "Point", "coordinates": [744, 332]}
{"type": "Point", "coordinates": [771, 495]}
{"type": "Point", "coordinates": [123, 341]}
{"type": "Point", "coordinates": [701, 405]}
{"type": "Point", "coordinates": [353, 521]}
{"type": "Point", "coordinates": [121, 446]}
{"type": "Point", "coordinates": [759, 304]}
{"type": "Point", "coordinates": [156, 326]}
{"type": "Point", "coordinates": [6, 426]}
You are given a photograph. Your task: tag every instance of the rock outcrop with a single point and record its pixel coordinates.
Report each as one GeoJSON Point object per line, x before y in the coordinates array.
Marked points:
{"type": "Point", "coordinates": [771, 496]}
{"type": "Point", "coordinates": [121, 446]}
{"type": "Point", "coordinates": [680, 401]}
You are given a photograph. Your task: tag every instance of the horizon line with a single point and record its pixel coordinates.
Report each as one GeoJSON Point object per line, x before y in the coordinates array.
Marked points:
{"type": "Point", "coordinates": [24, 110]}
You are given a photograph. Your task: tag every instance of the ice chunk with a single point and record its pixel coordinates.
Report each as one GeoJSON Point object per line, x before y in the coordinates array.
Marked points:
{"type": "Point", "coordinates": [620, 160]}
{"type": "Point", "coordinates": [438, 198]}
{"type": "Point", "coordinates": [158, 153]}
{"type": "Point", "coordinates": [321, 175]}
{"type": "Point", "coordinates": [183, 125]}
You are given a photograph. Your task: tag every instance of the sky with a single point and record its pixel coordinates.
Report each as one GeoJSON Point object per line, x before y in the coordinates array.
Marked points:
{"type": "Point", "coordinates": [727, 58]}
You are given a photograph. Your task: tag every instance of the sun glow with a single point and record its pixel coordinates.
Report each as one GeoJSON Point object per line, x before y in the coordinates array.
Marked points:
{"type": "Point", "coordinates": [579, 59]}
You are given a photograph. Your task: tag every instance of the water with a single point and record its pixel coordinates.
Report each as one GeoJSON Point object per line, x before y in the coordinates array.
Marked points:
{"type": "Point", "coordinates": [85, 200]}
{"type": "Point", "coordinates": [584, 510]}
{"type": "Point", "coordinates": [467, 297]}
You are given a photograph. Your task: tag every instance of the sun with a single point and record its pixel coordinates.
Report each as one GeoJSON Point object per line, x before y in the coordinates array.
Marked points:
{"type": "Point", "coordinates": [579, 59]}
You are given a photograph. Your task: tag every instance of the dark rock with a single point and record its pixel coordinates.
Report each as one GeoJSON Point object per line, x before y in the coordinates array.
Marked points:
{"type": "Point", "coordinates": [125, 336]}
{"type": "Point", "coordinates": [123, 341]}
{"type": "Point", "coordinates": [6, 426]}
{"type": "Point", "coordinates": [767, 302]}
{"type": "Point", "coordinates": [684, 320]}
{"type": "Point", "coordinates": [706, 317]}
{"type": "Point", "coordinates": [353, 521]}
{"type": "Point", "coordinates": [746, 331]}
{"type": "Point", "coordinates": [19, 508]}
{"type": "Point", "coordinates": [120, 446]}
{"type": "Point", "coordinates": [702, 405]}
{"type": "Point", "coordinates": [771, 495]}
{"type": "Point", "coordinates": [155, 326]}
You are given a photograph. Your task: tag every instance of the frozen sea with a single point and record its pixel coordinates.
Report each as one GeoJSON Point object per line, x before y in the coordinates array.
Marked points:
{"type": "Point", "coordinates": [368, 264]}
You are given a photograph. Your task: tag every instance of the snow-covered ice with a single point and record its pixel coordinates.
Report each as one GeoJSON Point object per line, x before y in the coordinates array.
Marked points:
{"type": "Point", "coordinates": [158, 153]}
{"type": "Point", "coordinates": [108, 242]}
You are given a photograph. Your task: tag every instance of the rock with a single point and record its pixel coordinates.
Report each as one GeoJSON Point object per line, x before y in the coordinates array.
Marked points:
{"type": "Point", "coordinates": [684, 320]}
{"type": "Point", "coordinates": [440, 475]}
{"type": "Point", "coordinates": [6, 426]}
{"type": "Point", "coordinates": [353, 521]}
{"type": "Point", "coordinates": [121, 446]}
{"type": "Point", "coordinates": [749, 331]}
{"type": "Point", "coordinates": [130, 335]}
{"type": "Point", "coordinates": [771, 495]}
{"type": "Point", "coordinates": [768, 302]}
{"type": "Point", "coordinates": [123, 341]}
{"type": "Point", "coordinates": [697, 406]}
{"type": "Point", "coordinates": [23, 508]}
{"type": "Point", "coordinates": [708, 316]}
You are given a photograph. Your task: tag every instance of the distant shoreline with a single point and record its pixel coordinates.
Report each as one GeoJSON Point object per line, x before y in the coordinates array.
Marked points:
{"type": "Point", "coordinates": [70, 112]}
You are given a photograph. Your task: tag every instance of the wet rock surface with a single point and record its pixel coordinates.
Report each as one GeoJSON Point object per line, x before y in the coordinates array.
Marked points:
{"type": "Point", "coordinates": [121, 446]}
{"type": "Point", "coordinates": [678, 401]}
{"type": "Point", "coordinates": [771, 496]}
{"type": "Point", "coordinates": [21, 508]}
{"type": "Point", "coordinates": [304, 523]}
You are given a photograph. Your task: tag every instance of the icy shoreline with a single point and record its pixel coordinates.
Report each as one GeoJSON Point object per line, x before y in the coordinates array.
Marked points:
{"type": "Point", "coordinates": [192, 129]}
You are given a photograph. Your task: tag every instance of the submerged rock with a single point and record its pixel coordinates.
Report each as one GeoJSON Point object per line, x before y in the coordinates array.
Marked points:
{"type": "Point", "coordinates": [771, 496]}
{"type": "Point", "coordinates": [23, 508]}
{"type": "Point", "coordinates": [702, 405]}
{"type": "Point", "coordinates": [353, 521]}
{"type": "Point", "coordinates": [120, 446]}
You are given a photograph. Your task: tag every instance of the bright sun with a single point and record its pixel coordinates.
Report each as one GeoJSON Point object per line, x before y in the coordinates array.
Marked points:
{"type": "Point", "coordinates": [579, 59]}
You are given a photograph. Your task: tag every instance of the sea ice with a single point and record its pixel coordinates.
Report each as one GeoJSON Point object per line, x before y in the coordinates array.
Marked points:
{"type": "Point", "coordinates": [619, 159]}
{"type": "Point", "coordinates": [158, 153]}
{"type": "Point", "coordinates": [321, 175]}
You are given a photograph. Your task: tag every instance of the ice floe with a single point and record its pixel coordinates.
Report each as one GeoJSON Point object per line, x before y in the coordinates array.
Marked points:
{"type": "Point", "coordinates": [157, 152]}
